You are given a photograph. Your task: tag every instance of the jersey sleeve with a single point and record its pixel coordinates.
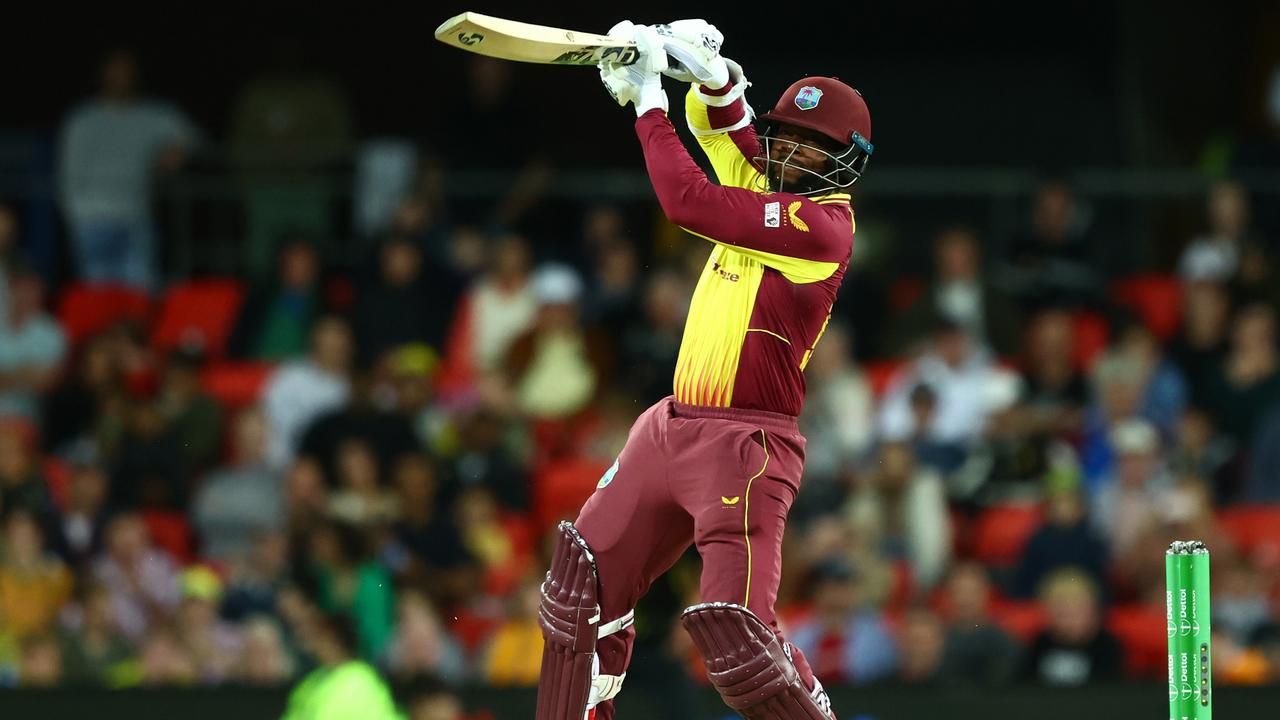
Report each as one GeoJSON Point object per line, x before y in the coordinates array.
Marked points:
{"type": "Point", "coordinates": [787, 232]}
{"type": "Point", "coordinates": [725, 134]}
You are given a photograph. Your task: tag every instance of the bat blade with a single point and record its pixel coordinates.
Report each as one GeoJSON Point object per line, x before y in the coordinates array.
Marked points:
{"type": "Point", "coordinates": [526, 42]}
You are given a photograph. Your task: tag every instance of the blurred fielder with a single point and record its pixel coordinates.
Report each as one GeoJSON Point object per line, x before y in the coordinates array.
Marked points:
{"type": "Point", "coordinates": [717, 464]}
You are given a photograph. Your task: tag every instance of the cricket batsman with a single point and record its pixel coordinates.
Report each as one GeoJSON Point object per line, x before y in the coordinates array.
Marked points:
{"type": "Point", "coordinates": [718, 463]}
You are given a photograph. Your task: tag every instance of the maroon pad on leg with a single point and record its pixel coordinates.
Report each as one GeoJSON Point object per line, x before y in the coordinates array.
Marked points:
{"type": "Point", "coordinates": [748, 665]}
{"type": "Point", "coordinates": [567, 615]}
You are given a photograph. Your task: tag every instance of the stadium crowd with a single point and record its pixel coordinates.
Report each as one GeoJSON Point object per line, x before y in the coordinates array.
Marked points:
{"type": "Point", "coordinates": [235, 479]}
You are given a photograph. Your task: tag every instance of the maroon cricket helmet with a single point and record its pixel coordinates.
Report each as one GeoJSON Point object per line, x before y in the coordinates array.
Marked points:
{"type": "Point", "coordinates": [828, 106]}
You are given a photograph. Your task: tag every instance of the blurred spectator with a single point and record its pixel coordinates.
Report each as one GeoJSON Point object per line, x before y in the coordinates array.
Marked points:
{"type": "Point", "coordinates": [499, 307]}
{"type": "Point", "coordinates": [422, 647]}
{"type": "Point", "coordinates": [163, 659]}
{"type": "Point", "coordinates": [80, 408]}
{"type": "Point", "coordinates": [838, 418]}
{"type": "Point", "coordinates": [436, 706]}
{"type": "Point", "coordinates": [381, 322]}
{"type": "Point", "coordinates": [8, 252]}
{"type": "Point", "coordinates": [1053, 260]}
{"type": "Point", "coordinates": [1202, 342]}
{"type": "Point", "coordinates": [238, 503]}
{"type": "Point", "coordinates": [1199, 451]}
{"type": "Point", "coordinates": [554, 370]}
{"type": "Point", "coordinates": [921, 641]}
{"type": "Point", "coordinates": [408, 382]}
{"type": "Point", "coordinates": [1230, 251]}
{"type": "Point", "coordinates": [195, 417]}
{"type": "Point", "coordinates": [264, 660]}
{"type": "Point", "coordinates": [904, 506]}
{"type": "Point", "coordinates": [110, 150]}
{"type": "Point", "coordinates": [977, 650]}
{"type": "Point", "coordinates": [1054, 392]}
{"type": "Point", "coordinates": [613, 300]}
{"type": "Point", "coordinates": [1241, 607]}
{"type": "Point", "coordinates": [342, 686]}
{"type": "Point", "coordinates": [360, 498]}
{"type": "Point", "coordinates": [288, 125]}
{"type": "Point", "coordinates": [32, 346]}
{"type": "Point", "coordinates": [513, 654]}
{"type": "Point", "coordinates": [78, 528]}
{"type": "Point", "coordinates": [968, 387]}
{"type": "Point", "coordinates": [21, 483]}
{"type": "Point", "coordinates": [476, 515]}
{"type": "Point", "coordinates": [1234, 663]}
{"type": "Point", "coordinates": [41, 662]}
{"type": "Point", "coordinates": [1066, 540]}
{"type": "Point", "coordinates": [34, 584]}
{"type": "Point", "coordinates": [368, 416]}
{"type": "Point", "coordinates": [1262, 482]}
{"type": "Point", "coordinates": [276, 317]}
{"type": "Point", "coordinates": [142, 580]}
{"type": "Point", "coordinates": [1074, 649]}
{"type": "Point", "coordinates": [959, 290]}
{"type": "Point", "coordinates": [255, 584]}
{"type": "Point", "coordinates": [491, 98]}
{"type": "Point", "coordinates": [845, 640]}
{"type": "Point", "coordinates": [429, 547]}
{"type": "Point", "coordinates": [651, 345]}
{"type": "Point", "coordinates": [1247, 382]}
{"type": "Point", "coordinates": [213, 645]}
{"type": "Point", "coordinates": [303, 390]}
{"type": "Point", "coordinates": [350, 582]}
{"type": "Point", "coordinates": [1126, 505]}
{"type": "Point", "coordinates": [1164, 391]}
{"type": "Point", "coordinates": [484, 460]}
{"type": "Point", "coordinates": [306, 496]}
{"type": "Point", "coordinates": [1118, 381]}
{"type": "Point", "coordinates": [149, 470]}
{"type": "Point", "coordinates": [94, 652]}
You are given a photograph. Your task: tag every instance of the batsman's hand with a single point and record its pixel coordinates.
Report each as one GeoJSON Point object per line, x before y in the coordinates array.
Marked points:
{"type": "Point", "coordinates": [694, 47]}
{"type": "Point", "coordinates": [639, 83]}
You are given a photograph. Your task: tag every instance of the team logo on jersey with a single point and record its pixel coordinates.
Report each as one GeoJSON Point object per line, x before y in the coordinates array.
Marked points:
{"type": "Point", "coordinates": [796, 222]}
{"type": "Point", "coordinates": [608, 475]}
{"type": "Point", "coordinates": [808, 97]}
{"type": "Point", "coordinates": [772, 214]}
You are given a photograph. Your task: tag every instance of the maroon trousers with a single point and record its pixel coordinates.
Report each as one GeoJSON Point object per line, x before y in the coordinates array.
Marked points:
{"type": "Point", "coordinates": [722, 479]}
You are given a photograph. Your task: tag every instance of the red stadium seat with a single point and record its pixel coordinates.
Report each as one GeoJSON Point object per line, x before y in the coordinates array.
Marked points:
{"type": "Point", "coordinates": [84, 310]}
{"type": "Point", "coordinates": [235, 384]}
{"type": "Point", "coordinates": [905, 292]}
{"type": "Point", "coordinates": [201, 312]}
{"type": "Point", "coordinates": [57, 478]}
{"type": "Point", "coordinates": [1021, 619]}
{"type": "Point", "coordinates": [880, 373]}
{"type": "Point", "coordinates": [1157, 298]}
{"type": "Point", "coordinates": [1000, 533]}
{"type": "Point", "coordinates": [169, 531]}
{"type": "Point", "coordinates": [1252, 527]}
{"type": "Point", "coordinates": [1141, 629]}
{"type": "Point", "coordinates": [1091, 338]}
{"type": "Point", "coordinates": [561, 488]}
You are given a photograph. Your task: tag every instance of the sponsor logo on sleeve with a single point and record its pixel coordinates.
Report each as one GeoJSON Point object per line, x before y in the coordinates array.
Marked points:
{"type": "Point", "coordinates": [608, 475]}
{"type": "Point", "coordinates": [772, 214]}
{"type": "Point", "coordinates": [792, 215]}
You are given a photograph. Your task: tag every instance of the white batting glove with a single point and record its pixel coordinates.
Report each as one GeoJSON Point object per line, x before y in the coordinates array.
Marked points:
{"type": "Point", "coordinates": [641, 82]}
{"type": "Point", "coordinates": [694, 47]}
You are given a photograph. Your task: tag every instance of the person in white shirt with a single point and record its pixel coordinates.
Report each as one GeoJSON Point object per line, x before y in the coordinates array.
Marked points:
{"type": "Point", "coordinates": [109, 151]}
{"type": "Point", "coordinates": [32, 346]}
{"type": "Point", "coordinates": [967, 386]}
{"type": "Point", "coordinates": [301, 391]}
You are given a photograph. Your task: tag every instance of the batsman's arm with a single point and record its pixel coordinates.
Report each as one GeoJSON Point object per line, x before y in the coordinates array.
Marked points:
{"type": "Point", "coordinates": [768, 227]}
{"type": "Point", "coordinates": [721, 122]}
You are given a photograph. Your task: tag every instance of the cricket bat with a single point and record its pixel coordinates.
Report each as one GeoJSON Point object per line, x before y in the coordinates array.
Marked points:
{"type": "Point", "coordinates": [525, 42]}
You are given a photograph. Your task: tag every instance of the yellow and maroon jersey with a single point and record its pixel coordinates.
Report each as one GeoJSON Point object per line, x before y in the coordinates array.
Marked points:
{"type": "Point", "coordinates": [765, 294]}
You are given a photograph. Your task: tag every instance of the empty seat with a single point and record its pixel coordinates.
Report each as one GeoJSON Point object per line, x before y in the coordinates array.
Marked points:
{"type": "Point", "coordinates": [235, 384]}
{"type": "Point", "coordinates": [1157, 299]}
{"type": "Point", "coordinates": [1000, 533]}
{"type": "Point", "coordinates": [1252, 526]}
{"type": "Point", "coordinates": [84, 310]}
{"type": "Point", "coordinates": [200, 313]}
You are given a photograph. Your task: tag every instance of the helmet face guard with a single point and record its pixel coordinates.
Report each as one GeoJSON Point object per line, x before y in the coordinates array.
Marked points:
{"type": "Point", "coordinates": [840, 171]}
